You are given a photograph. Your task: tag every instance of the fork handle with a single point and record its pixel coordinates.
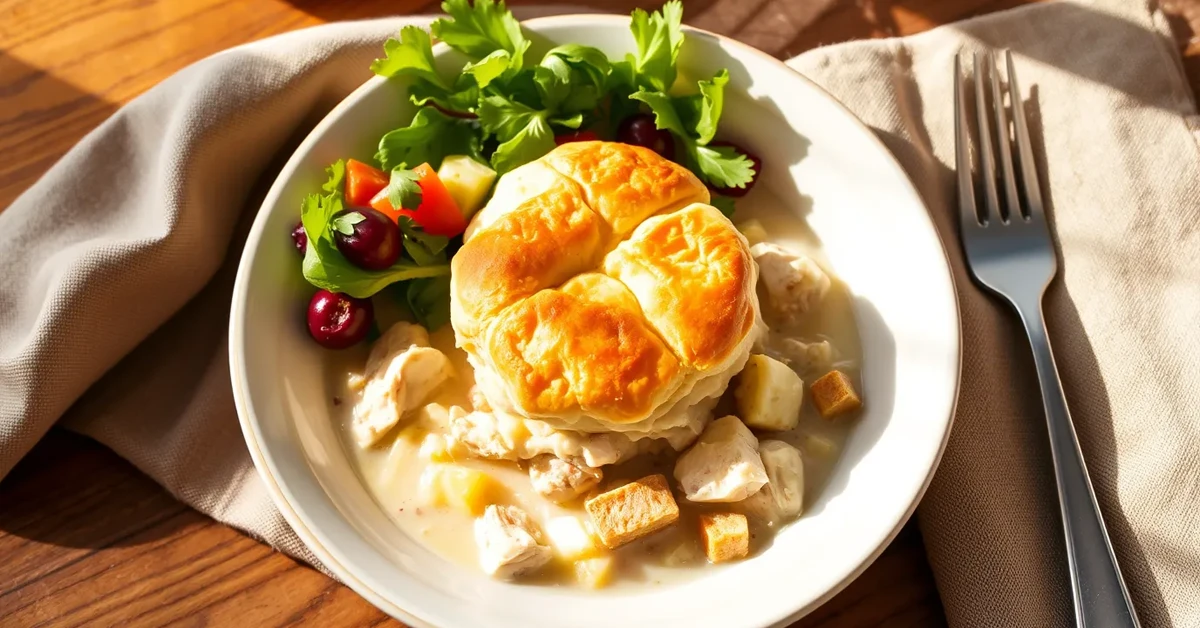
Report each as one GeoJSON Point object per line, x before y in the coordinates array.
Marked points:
{"type": "Point", "coordinates": [1101, 598]}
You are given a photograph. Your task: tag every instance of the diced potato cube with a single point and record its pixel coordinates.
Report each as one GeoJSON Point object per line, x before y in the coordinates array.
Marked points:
{"type": "Point", "coordinates": [753, 230]}
{"type": "Point", "coordinates": [632, 511]}
{"type": "Point", "coordinates": [726, 536]}
{"type": "Point", "coordinates": [463, 489]}
{"type": "Point", "coordinates": [820, 446]}
{"type": "Point", "coordinates": [723, 465]}
{"type": "Point", "coordinates": [467, 181]}
{"type": "Point", "coordinates": [436, 448]}
{"type": "Point", "coordinates": [684, 551]}
{"type": "Point", "coordinates": [769, 394]}
{"type": "Point", "coordinates": [596, 572]}
{"type": "Point", "coordinates": [834, 394]}
{"type": "Point", "coordinates": [570, 538]}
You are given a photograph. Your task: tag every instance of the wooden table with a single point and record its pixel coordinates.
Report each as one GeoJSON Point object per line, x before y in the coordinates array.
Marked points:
{"type": "Point", "coordinates": [87, 540]}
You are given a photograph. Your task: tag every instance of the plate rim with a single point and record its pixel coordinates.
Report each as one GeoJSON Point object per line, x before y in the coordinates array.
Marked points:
{"type": "Point", "coordinates": [265, 466]}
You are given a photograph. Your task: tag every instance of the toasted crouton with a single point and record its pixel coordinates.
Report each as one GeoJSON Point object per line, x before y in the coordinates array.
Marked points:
{"type": "Point", "coordinates": [834, 394]}
{"type": "Point", "coordinates": [632, 511]}
{"type": "Point", "coordinates": [726, 536]}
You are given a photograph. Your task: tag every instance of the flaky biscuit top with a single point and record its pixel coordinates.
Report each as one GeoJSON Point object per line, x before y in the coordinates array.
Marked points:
{"type": "Point", "coordinates": [598, 290]}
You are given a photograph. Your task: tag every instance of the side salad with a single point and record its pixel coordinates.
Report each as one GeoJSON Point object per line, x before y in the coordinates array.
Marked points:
{"type": "Point", "coordinates": [386, 231]}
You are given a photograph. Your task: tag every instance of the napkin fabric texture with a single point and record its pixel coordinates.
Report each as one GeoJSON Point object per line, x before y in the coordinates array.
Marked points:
{"type": "Point", "coordinates": [119, 264]}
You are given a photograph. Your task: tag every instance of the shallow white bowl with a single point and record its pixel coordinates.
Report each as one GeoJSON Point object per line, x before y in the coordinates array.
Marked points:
{"type": "Point", "coordinates": [821, 161]}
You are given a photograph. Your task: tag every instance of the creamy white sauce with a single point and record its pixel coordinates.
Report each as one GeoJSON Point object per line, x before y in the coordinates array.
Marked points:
{"type": "Point", "coordinates": [392, 469]}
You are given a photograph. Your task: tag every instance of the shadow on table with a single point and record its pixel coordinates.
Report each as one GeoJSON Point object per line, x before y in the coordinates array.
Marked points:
{"type": "Point", "coordinates": [72, 492]}
{"type": "Point", "coordinates": [41, 117]}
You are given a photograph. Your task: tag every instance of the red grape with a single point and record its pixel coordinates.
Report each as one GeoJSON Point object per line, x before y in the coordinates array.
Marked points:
{"type": "Point", "coordinates": [640, 130]}
{"type": "Point", "coordinates": [375, 242]}
{"type": "Point", "coordinates": [337, 320]}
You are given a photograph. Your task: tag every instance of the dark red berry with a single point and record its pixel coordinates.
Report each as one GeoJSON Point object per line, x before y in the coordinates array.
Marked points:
{"type": "Point", "coordinates": [374, 240]}
{"type": "Point", "coordinates": [300, 238]}
{"type": "Point", "coordinates": [640, 130]}
{"type": "Point", "coordinates": [337, 320]}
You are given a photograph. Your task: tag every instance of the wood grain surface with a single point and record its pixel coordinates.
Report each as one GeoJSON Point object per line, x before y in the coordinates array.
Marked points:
{"type": "Point", "coordinates": [85, 539]}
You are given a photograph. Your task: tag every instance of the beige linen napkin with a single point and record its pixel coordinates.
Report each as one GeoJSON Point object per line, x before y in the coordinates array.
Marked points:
{"type": "Point", "coordinates": [113, 319]}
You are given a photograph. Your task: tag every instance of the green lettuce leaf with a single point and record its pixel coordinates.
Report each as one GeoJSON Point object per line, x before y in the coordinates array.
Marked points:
{"type": "Point", "coordinates": [658, 36]}
{"type": "Point", "coordinates": [702, 111]}
{"type": "Point", "coordinates": [429, 301]}
{"type": "Point", "coordinates": [724, 204]}
{"type": "Point", "coordinates": [430, 137]}
{"type": "Point", "coordinates": [489, 68]}
{"type": "Point", "coordinates": [532, 141]}
{"type": "Point", "coordinates": [461, 98]}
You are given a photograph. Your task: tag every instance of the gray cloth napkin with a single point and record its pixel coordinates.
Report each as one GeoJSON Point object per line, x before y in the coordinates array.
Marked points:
{"type": "Point", "coordinates": [119, 264]}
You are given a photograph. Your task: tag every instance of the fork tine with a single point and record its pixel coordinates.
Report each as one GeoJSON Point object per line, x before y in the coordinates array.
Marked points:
{"type": "Point", "coordinates": [1029, 177]}
{"type": "Point", "coordinates": [987, 159]}
{"type": "Point", "coordinates": [1003, 148]}
{"type": "Point", "coordinates": [962, 151]}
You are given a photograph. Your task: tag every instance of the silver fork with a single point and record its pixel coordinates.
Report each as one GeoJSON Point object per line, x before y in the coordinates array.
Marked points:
{"type": "Point", "coordinates": [1009, 251]}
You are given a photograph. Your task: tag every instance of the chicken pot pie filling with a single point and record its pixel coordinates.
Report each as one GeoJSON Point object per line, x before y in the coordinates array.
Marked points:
{"type": "Point", "coordinates": [631, 387]}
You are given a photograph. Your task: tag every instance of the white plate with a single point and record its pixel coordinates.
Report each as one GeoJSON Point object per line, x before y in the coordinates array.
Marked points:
{"type": "Point", "coordinates": [821, 161]}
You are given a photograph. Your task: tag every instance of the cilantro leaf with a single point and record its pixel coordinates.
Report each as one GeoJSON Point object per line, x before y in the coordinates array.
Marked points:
{"type": "Point", "coordinates": [478, 31]}
{"type": "Point", "coordinates": [429, 301]}
{"type": "Point", "coordinates": [425, 248]}
{"type": "Point", "coordinates": [663, 108]}
{"type": "Point", "coordinates": [428, 139]}
{"type": "Point", "coordinates": [724, 204]}
{"type": "Point", "coordinates": [325, 267]}
{"type": "Point", "coordinates": [659, 36]}
{"type": "Point", "coordinates": [402, 189]}
{"type": "Point", "coordinates": [344, 223]}
{"type": "Point", "coordinates": [702, 111]}
{"type": "Point", "coordinates": [572, 78]}
{"type": "Point", "coordinates": [503, 117]}
{"type": "Point", "coordinates": [411, 55]}
{"type": "Point", "coordinates": [532, 141]}
{"type": "Point", "coordinates": [489, 68]}
{"type": "Point", "coordinates": [461, 98]}
{"type": "Point", "coordinates": [722, 166]}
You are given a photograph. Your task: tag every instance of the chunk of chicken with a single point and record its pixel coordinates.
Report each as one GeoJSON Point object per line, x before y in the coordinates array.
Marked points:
{"type": "Point", "coordinates": [805, 357]}
{"type": "Point", "coordinates": [562, 480]}
{"type": "Point", "coordinates": [502, 436]}
{"type": "Point", "coordinates": [510, 544]}
{"type": "Point", "coordinates": [782, 499]}
{"type": "Point", "coordinates": [402, 371]}
{"type": "Point", "coordinates": [723, 465]}
{"type": "Point", "coordinates": [794, 283]}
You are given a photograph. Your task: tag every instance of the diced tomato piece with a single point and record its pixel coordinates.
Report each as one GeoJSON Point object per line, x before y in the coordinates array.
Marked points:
{"type": "Point", "coordinates": [576, 136]}
{"type": "Point", "coordinates": [437, 214]}
{"type": "Point", "coordinates": [363, 182]}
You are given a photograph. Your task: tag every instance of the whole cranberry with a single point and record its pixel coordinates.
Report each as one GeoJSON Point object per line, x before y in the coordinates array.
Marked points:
{"type": "Point", "coordinates": [373, 241]}
{"type": "Point", "coordinates": [300, 238]}
{"type": "Point", "coordinates": [742, 191]}
{"type": "Point", "coordinates": [640, 130]}
{"type": "Point", "coordinates": [337, 320]}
